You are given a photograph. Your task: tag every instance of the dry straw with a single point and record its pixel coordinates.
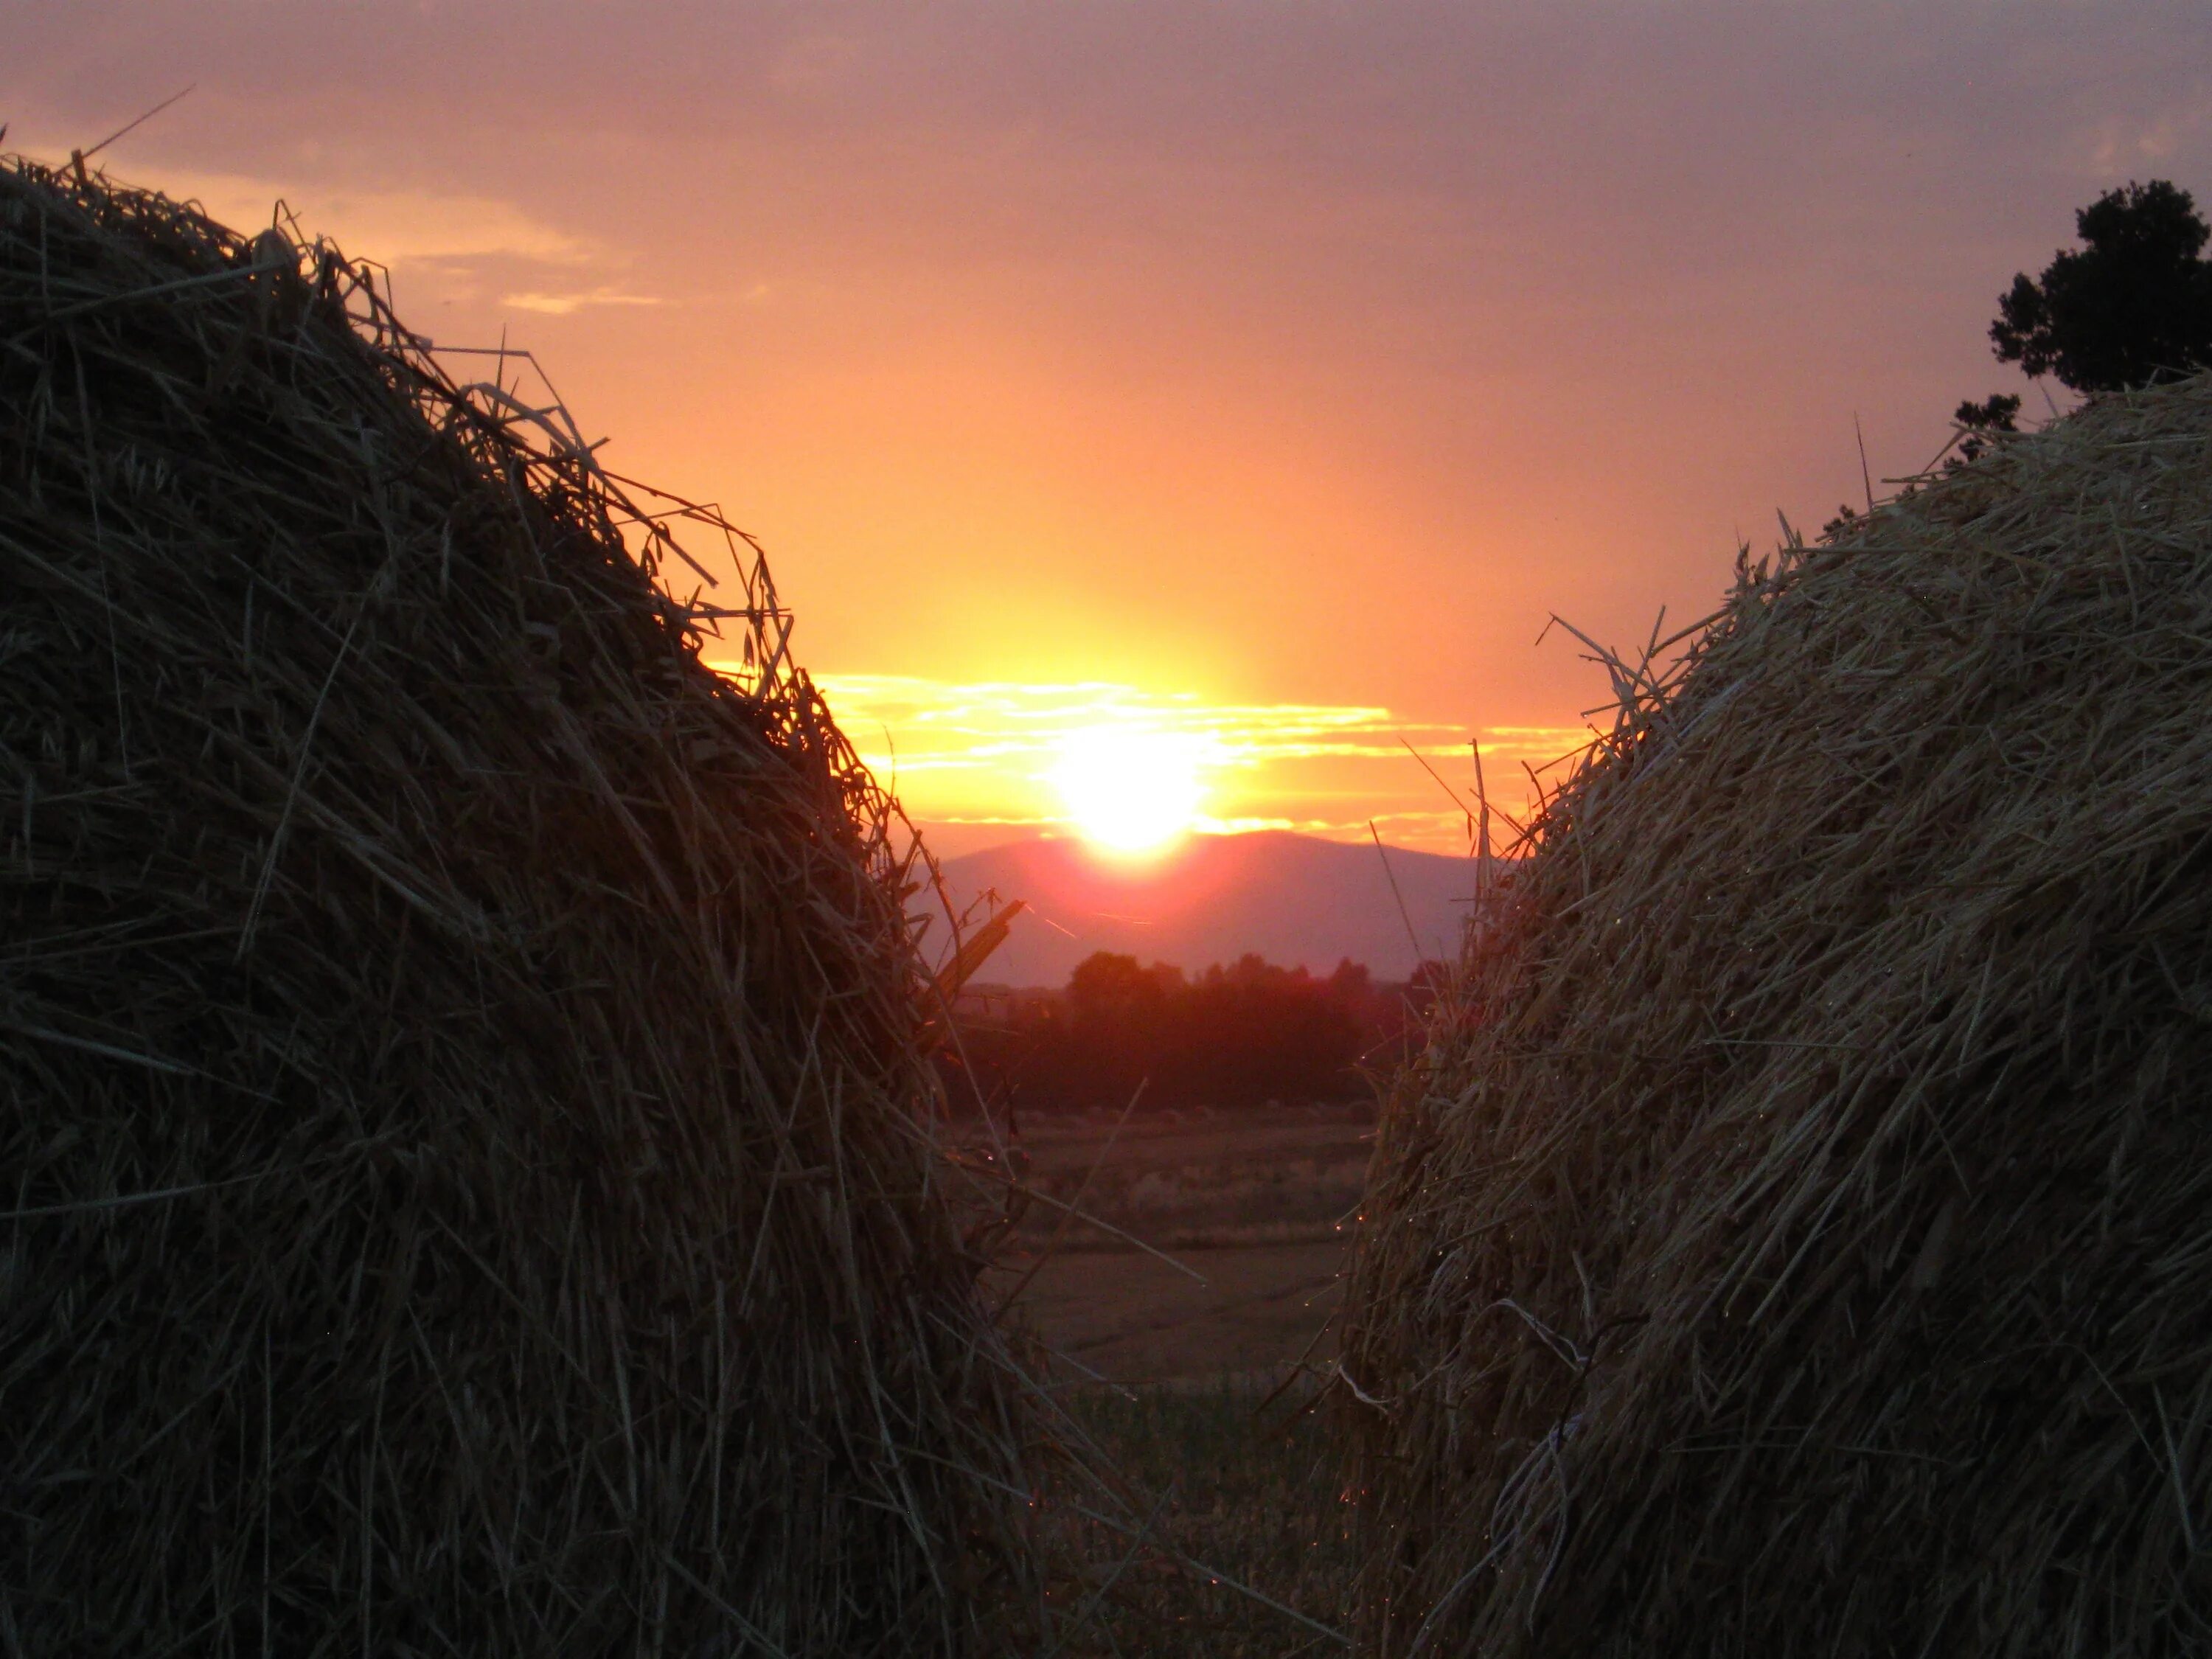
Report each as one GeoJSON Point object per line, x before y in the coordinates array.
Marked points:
{"type": "Point", "coordinates": [1799, 1239]}
{"type": "Point", "coordinates": [467, 1187]}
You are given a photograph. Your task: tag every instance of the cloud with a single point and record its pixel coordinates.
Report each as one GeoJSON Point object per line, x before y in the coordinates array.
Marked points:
{"type": "Point", "coordinates": [560, 305]}
{"type": "Point", "coordinates": [984, 753]}
{"type": "Point", "coordinates": [392, 226]}
{"type": "Point", "coordinates": [425, 227]}
{"type": "Point", "coordinates": [1003, 719]}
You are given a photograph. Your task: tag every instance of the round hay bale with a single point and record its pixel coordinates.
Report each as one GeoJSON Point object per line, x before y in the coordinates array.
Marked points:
{"type": "Point", "coordinates": [1798, 1239]}
{"type": "Point", "coordinates": [465, 1178]}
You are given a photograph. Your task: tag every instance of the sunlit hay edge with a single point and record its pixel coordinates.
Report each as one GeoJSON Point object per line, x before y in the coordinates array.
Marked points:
{"type": "Point", "coordinates": [1798, 1238]}
{"type": "Point", "coordinates": [467, 1179]}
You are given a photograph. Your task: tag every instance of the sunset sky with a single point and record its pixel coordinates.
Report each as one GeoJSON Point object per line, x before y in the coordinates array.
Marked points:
{"type": "Point", "coordinates": [1259, 375]}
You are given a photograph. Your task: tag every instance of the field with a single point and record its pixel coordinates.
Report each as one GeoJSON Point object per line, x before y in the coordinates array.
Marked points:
{"type": "Point", "coordinates": [1257, 1205]}
{"type": "Point", "coordinates": [1241, 1489]}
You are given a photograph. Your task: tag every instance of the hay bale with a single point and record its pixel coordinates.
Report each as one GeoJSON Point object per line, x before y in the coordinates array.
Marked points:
{"type": "Point", "coordinates": [1799, 1238]}
{"type": "Point", "coordinates": [465, 1165]}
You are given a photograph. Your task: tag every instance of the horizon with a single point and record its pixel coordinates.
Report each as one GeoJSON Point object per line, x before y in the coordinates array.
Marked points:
{"type": "Point", "coordinates": [1299, 902]}
{"type": "Point", "coordinates": [973, 836]}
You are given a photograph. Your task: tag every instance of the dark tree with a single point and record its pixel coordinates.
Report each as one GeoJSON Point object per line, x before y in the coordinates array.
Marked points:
{"type": "Point", "coordinates": [1998, 412]}
{"type": "Point", "coordinates": [1108, 985]}
{"type": "Point", "coordinates": [2131, 305]}
{"type": "Point", "coordinates": [1239, 1035]}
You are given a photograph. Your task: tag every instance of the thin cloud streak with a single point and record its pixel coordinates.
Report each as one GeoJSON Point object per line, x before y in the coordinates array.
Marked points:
{"type": "Point", "coordinates": [390, 227]}
{"type": "Point", "coordinates": [982, 753]}
{"type": "Point", "coordinates": [562, 305]}
{"type": "Point", "coordinates": [464, 241]}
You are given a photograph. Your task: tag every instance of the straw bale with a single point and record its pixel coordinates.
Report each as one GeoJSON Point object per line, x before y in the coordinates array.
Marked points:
{"type": "Point", "coordinates": [1798, 1238]}
{"type": "Point", "coordinates": [465, 1177]}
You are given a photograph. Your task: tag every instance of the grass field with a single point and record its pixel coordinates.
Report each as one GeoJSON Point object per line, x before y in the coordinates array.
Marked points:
{"type": "Point", "coordinates": [1197, 1180]}
{"type": "Point", "coordinates": [1251, 1203]}
{"type": "Point", "coordinates": [1241, 1489]}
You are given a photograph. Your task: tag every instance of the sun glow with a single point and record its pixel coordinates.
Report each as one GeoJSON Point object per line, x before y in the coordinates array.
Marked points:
{"type": "Point", "coordinates": [1130, 790]}
{"type": "Point", "coordinates": [995, 756]}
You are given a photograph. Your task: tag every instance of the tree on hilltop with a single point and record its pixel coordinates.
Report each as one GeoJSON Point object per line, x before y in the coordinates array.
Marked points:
{"type": "Point", "coordinates": [1981, 422]}
{"type": "Point", "coordinates": [2131, 305]}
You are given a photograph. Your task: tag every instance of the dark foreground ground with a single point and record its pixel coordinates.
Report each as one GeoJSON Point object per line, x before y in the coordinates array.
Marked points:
{"type": "Point", "coordinates": [1244, 1490]}
{"type": "Point", "coordinates": [1247, 1488]}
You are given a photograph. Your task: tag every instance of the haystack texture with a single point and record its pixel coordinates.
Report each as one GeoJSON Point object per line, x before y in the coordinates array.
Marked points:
{"type": "Point", "coordinates": [463, 1141]}
{"type": "Point", "coordinates": [1799, 1240]}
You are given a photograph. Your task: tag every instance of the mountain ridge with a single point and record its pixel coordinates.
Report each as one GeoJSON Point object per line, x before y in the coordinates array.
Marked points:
{"type": "Point", "coordinates": [1296, 900]}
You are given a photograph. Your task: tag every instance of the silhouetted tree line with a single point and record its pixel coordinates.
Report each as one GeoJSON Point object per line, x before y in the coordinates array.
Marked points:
{"type": "Point", "coordinates": [1242, 1035]}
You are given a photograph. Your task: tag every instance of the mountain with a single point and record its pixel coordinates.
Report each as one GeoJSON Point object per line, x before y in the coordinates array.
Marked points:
{"type": "Point", "coordinates": [1293, 899]}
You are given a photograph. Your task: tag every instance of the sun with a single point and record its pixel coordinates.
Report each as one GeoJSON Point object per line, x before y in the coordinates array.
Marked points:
{"type": "Point", "coordinates": [1130, 790]}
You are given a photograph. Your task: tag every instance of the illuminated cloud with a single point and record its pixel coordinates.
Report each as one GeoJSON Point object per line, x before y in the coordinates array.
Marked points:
{"type": "Point", "coordinates": [560, 305]}
{"type": "Point", "coordinates": [459, 236]}
{"type": "Point", "coordinates": [987, 753]}
{"type": "Point", "coordinates": [393, 227]}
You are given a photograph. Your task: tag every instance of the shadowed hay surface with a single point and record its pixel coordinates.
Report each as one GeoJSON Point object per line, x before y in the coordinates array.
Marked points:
{"type": "Point", "coordinates": [466, 1187]}
{"type": "Point", "coordinates": [1800, 1239]}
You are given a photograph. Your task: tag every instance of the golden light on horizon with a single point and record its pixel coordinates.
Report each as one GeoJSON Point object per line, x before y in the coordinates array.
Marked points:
{"type": "Point", "coordinates": [1130, 790]}
{"type": "Point", "coordinates": [985, 757]}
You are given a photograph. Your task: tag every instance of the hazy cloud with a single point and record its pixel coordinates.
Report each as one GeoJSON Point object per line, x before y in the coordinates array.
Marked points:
{"type": "Point", "coordinates": [986, 753]}
{"type": "Point", "coordinates": [392, 226]}
{"type": "Point", "coordinates": [560, 305]}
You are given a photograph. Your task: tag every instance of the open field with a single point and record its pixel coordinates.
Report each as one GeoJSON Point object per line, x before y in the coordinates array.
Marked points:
{"type": "Point", "coordinates": [1241, 1488]}
{"type": "Point", "coordinates": [1252, 1204]}
{"type": "Point", "coordinates": [1199, 1180]}
{"type": "Point", "coordinates": [1247, 1487]}
{"type": "Point", "coordinates": [1129, 1317]}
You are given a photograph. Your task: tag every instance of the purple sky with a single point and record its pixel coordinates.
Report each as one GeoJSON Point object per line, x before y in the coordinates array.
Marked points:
{"type": "Point", "coordinates": [1260, 352]}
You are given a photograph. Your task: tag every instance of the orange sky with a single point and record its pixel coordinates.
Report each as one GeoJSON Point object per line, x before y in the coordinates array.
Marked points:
{"type": "Point", "coordinates": [1249, 368]}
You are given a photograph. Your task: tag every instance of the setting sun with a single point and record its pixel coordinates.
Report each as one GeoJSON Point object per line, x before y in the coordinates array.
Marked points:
{"type": "Point", "coordinates": [1130, 790]}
